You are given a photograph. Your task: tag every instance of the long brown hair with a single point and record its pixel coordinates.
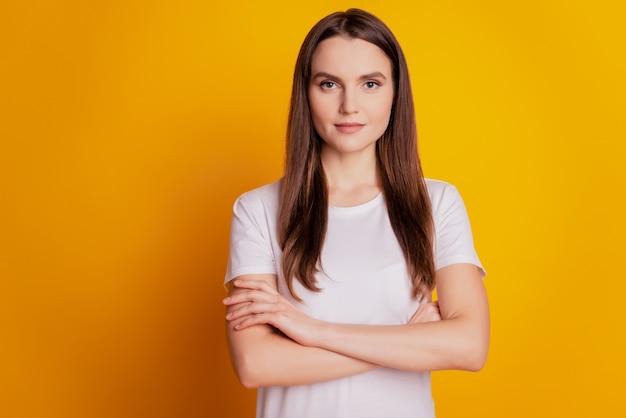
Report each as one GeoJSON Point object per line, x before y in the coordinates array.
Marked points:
{"type": "Point", "coordinates": [303, 209]}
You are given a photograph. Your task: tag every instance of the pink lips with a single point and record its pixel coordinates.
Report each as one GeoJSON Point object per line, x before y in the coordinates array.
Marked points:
{"type": "Point", "coordinates": [349, 128]}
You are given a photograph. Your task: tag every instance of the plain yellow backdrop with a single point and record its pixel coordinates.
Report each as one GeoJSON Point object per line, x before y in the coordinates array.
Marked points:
{"type": "Point", "coordinates": [128, 128]}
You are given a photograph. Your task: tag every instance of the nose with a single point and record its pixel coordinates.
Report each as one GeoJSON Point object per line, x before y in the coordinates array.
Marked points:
{"type": "Point", "coordinates": [348, 102]}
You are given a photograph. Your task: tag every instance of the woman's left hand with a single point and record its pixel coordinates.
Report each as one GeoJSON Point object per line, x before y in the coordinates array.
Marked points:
{"type": "Point", "coordinates": [426, 312]}
{"type": "Point", "coordinates": [257, 303]}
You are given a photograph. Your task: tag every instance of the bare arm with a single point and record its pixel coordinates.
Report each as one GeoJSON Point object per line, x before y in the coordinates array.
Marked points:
{"type": "Point", "coordinates": [263, 357]}
{"type": "Point", "coordinates": [459, 341]}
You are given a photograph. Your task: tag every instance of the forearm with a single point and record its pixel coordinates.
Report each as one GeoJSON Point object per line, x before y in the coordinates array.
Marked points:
{"type": "Point", "coordinates": [459, 341]}
{"type": "Point", "coordinates": [455, 343]}
{"type": "Point", "coordinates": [262, 357]}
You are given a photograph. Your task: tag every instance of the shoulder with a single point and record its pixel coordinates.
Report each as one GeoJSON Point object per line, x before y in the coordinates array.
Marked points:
{"type": "Point", "coordinates": [268, 191]}
{"type": "Point", "coordinates": [436, 187]}
{"type": "Point", "coordinates": [261, 197]}
{"type": "Point", "coordinates": [442, 194]}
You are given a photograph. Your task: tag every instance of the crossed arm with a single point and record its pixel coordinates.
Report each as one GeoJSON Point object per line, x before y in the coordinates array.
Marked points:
{"type": "Point", "coordinates": [309, 351]}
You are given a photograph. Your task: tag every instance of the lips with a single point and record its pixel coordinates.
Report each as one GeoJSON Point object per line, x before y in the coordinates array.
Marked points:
{"type": "Point", "coordinates": [349, 128]}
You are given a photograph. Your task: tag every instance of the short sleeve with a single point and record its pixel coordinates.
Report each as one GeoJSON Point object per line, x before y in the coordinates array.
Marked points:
{"type": "Point", "coordinates": [453, 234]}
{"type": "Point", "coordinates": [250, 249]}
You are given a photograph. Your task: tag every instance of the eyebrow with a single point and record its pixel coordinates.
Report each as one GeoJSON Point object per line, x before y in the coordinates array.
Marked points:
{"type": "Point", "coordinates": [375, 74]}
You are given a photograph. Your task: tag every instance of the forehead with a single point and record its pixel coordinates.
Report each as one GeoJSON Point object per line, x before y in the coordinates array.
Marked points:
{"type": "Point", "coordinates": [344, 56]}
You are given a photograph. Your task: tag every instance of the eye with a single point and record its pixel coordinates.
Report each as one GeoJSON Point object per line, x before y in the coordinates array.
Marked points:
{"type": "Point", "coordinates": [371, 85]}
{"type": "Point", "coordinates": [328, 85]}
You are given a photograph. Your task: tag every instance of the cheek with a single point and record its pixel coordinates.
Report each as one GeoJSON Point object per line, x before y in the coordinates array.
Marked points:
{"type": "Point", "coordinates": [381, 110]}
{"type": "Point", "coordinates": [319, 111]}
{"type": "Point", "coordinates": [380, 115]}
{"type": "Point", "coordinates": [388, 107]}
{"type": "Point", "coordinates": [317, 125]}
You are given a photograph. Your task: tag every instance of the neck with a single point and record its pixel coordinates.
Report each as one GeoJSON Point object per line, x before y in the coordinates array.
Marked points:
{"type": "Point", "coordinates": [352, 179]}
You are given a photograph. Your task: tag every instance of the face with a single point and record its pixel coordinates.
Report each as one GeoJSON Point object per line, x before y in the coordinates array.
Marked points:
{"type": "Point", "coordinates": [350, 94]}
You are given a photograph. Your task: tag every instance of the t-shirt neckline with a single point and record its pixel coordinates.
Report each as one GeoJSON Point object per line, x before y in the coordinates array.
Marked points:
{"type": "Point", "coordinates": [358, 208]}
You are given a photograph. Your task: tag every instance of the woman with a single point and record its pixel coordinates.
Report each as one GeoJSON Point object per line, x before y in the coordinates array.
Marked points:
{"type": "Point", "coordinates": [331, 268]}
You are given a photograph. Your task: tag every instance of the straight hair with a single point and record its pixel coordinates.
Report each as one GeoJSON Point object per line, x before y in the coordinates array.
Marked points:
{"type": "Point", "coordinates": [303, 209]}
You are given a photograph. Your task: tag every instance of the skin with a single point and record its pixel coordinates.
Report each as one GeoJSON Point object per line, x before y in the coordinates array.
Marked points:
{"type": "Point", "coordinates": [351, 83]}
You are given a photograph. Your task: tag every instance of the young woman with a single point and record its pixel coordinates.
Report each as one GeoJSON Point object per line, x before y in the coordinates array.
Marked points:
{"type": "Point", "coordinates": [331, 268]}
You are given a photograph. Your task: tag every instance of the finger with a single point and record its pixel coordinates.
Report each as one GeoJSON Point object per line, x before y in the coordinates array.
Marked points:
{"type": "Point", "coordinates": [234, 307]}
{"type": "Point", "coordinates": [250, 296]}
{"type": "Point", "coordinates": [427, 312]}
{"type": "Point", "coordinates": [421, 309]}
{"type": "Point", "coordinates": [252, 320]}
{"type": "Point", "coordinates": [254, 284]}
{"type": "Point", "coordinates": [251, 309]}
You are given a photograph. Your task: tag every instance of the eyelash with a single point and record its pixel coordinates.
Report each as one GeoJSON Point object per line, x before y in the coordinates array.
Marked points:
{"type": "Point", "coordinates": [331, 84]}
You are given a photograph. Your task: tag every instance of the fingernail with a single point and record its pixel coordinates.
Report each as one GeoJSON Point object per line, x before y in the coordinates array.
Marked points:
{"type": "Point", "coordinates": [226, 300]}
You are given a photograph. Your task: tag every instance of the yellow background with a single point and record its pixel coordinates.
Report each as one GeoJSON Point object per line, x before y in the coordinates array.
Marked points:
{"type": "Point", "coordinates": [128, 128]}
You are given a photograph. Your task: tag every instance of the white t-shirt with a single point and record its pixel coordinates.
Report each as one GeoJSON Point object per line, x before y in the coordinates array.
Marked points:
{"type": "Point", "coordinates": [364, 281]}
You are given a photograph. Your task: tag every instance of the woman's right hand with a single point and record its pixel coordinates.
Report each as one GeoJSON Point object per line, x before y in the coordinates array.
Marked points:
{"type": "Point", "coordinates": [256, 302]}
{"type": "Point", "coordinates": [427, 312]}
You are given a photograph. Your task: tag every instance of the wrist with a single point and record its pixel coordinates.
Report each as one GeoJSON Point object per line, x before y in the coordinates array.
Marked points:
{"type": "Point", "coordinates": [323, 334]}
